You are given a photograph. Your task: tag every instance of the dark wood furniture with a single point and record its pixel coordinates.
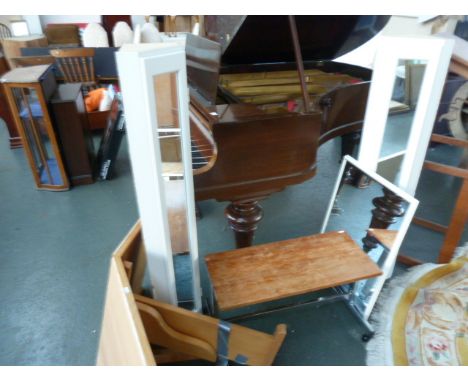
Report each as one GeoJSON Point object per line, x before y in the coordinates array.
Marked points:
{"type": "Point", "coordinates": [76, 65]}
{"type": "Point", "coordinates": [273, 271]}
{"type": "Point", "coordinates": [250, 146]}
{"type": "Point", "coordinates": [63, 34]}
{"type": "Point", "coordinates": [71, 124]}
{"type": "Point", "coordinates": [28, 91]}
{"type": "Point", "coordinates": [5, 113]}
{"type": "Point", "coordinates": [105, 68]}
{"type": "Point", "coordinates": [108, 23]}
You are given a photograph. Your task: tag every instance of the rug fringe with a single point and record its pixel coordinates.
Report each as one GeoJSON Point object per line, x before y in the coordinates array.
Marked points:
{"type": "Point", "coordinates": [379, 348]}
{"type": "Point", "coordinates": [461, 251]}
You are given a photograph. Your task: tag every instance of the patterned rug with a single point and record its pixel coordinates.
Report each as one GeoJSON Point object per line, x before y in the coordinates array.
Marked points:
{"type": "Point", "coordinates": [422, 317]}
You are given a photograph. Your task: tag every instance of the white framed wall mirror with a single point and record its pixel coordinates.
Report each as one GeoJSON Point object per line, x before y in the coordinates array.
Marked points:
{"type": "Point", "coordinates": [376, 214]}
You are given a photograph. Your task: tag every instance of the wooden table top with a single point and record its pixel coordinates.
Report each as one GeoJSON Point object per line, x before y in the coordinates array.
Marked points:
{"type": "Point", "coordinates": [268, 272]}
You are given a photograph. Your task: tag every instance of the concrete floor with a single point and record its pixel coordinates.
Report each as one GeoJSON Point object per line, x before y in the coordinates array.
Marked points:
{"type": "Point", "coordinates": [55, 249]}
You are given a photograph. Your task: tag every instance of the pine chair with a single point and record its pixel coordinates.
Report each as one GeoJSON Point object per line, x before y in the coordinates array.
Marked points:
{"type": "Point", "coordinates": [76, 65]}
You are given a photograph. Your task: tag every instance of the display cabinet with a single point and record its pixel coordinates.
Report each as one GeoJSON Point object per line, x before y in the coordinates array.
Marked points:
{"type": "Point", "coordinates": [28, 91]}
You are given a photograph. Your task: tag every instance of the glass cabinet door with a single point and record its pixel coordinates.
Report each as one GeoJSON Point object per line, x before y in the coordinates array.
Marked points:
{"type": "Point", "coordinates": [40, 142]}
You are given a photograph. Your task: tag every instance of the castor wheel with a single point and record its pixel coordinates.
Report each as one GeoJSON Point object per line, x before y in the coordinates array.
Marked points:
{"type": "Point", "coordinates": [366, 337]}
{"type": "Point", "coordinates": [198, 211]}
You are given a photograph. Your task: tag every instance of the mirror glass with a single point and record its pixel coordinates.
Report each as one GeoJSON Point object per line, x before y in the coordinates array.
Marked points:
{"type": "Point", "coordinates": [406, 88]}
{"type": "Point", "coordinates": [37, 136]}
{"type": "Point", "coordinates": [372, 215]}
{"type": "Point", "coordinates": [169, 134]}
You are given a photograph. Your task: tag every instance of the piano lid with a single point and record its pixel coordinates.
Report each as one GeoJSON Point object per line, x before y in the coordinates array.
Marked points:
{"type": "Point", "coordinates": [267, 39]}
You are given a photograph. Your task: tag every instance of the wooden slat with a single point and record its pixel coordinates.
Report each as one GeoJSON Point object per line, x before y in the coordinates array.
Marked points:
{"type": "Point", "coordinates": [430, 225]}
{"type": "Point", "coordinates": [409, 261]}
{"type": "Point", "coordinates": [457, 225]}
{"type": "Point", "coordinates": [73, 52]}
{"type": "Point", "coordinates": [72, 65]}
{"type": "Point", "coordinates": [268, 272]}
{"type": "Point", "coordinates": [449, 140]}
{"type": "Point", "coordinates": [445, 169]}
{"type": "Point", "coordinates": [85, 69]}
{"type": "Point", "coordinates": [91, 68]}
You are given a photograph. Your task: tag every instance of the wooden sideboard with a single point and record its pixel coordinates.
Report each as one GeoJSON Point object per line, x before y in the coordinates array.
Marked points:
{"type": "Point", "coordinates": [71, 124]}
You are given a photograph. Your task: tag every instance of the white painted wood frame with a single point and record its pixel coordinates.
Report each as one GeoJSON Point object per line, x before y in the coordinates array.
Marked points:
{"type": "Point", "coordinates": [436, 52]}
{"type": "Point", "coordinates": [137, 65]}
{"type": "Point", "coordinates": [389, 264]}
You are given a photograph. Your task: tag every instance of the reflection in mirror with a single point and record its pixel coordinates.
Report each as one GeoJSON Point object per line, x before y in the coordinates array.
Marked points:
{"type": "Point", "coordinates": [169, 134]}
{"type": "Point", "coordinates": [407, 85]}
{"type": "Point", "coordinates": [37, 136]}
{"type": "Point", "coordinates": [373, 215]}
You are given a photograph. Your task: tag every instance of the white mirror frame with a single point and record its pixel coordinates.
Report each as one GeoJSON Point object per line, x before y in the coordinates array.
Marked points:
{"type": "Point", "coordinates": [137, 65]}
{"type": "Point", "coordinates": [388, 266]}
{"type": "Point", "coordinates": [436, 52]}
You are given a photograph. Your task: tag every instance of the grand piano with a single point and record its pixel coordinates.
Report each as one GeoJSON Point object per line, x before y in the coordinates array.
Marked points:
{"type": "Point", "coordinates": [264, 95]}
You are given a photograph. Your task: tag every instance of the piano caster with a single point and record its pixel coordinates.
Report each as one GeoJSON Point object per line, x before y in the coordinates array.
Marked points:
{"type": "Point", "coordinates": [349, 143]}
{"type": "Point", "coordinates": [198, 211]}
{"type": "Point", "coordinates": [367, 337]}
{"type": "Point", "coordinates": [243, 218]}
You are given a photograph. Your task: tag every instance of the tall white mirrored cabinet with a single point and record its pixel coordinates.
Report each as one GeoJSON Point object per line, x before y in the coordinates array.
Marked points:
{"type": "Point", "coordinates": [423, 63]}
{"type": "Point", "coordinates": [155, 97]}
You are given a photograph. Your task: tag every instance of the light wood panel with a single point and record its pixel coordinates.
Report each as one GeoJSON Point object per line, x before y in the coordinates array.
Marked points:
{"type": "Point", "coordinates": [185, 331]}
{"type": "Point", "coordinates": [123, 339]}
{"type": "Point", "coordinates": [132, 322]}
{"type": "Point", "coordinates": [287, 268]}
{"type": "Point", "coordinates": [12, 46]}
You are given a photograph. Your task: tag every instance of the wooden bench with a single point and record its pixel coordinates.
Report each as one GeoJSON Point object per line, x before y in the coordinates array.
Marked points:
{"type": "Point", "coordinates": [268, 272]}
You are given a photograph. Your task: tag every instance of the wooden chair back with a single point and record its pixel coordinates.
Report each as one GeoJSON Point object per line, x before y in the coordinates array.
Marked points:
{"type": "Point", "coordinates": [76, 65]}
{"type": "Point", "coordinates": [4, 31]}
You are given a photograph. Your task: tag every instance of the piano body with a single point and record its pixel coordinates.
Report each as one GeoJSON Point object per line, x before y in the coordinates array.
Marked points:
{"type": "Point", "coordinates": [264, 95]}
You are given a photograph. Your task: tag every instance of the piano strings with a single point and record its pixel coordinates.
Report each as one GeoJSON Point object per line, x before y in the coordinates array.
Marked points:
{"type": "Point", "coordinates": [198, 158]}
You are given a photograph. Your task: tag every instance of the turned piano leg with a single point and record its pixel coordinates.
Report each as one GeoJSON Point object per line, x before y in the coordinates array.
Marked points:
{"type": "Point", "coordinates": [243, 218]}
{"type": "Point", "coordinates": [388, 209]}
